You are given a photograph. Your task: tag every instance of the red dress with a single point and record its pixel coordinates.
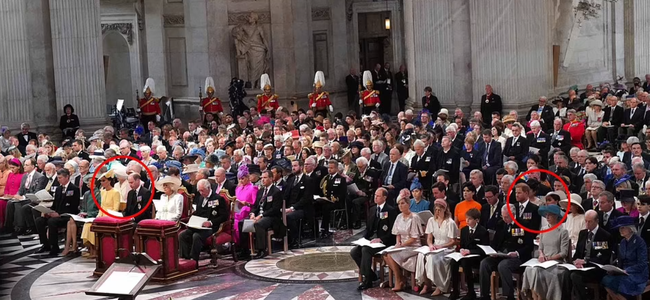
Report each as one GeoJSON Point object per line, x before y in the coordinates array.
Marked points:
{"type": "Point", "coordinates": [577, 131]}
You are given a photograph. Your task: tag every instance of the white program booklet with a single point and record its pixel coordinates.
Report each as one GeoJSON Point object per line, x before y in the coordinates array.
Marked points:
{"type": "Point", "coordinates": [571, 267]}
{"type": "Point", "coordinates": [196, 222]}
{"type": "Point", "coordinates": [42, 209]}
{"type": "Point", "coordinates": [365, 242]}
{"type": "Point", "coordinates": [78, 218]}
{"type": "Point", "coordinates": [425, 250]}
{"type": "Point", "coordinates": [114, 213]}
{"type": "Point", "coordinates": [248, 226]}
{"type": "Point", "coordinates": [457, 256]}
{"type": "Point", "coordinates": [489, 251]}
{"type": "Point", "coordinates": [613, 269]}
{"type": "Point", "coordinates": [534, 262]}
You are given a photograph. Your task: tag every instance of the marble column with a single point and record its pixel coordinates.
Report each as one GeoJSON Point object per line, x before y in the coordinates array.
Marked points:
{"type": "Point", "coordinates": [196, 35]}
{"type": "Point", "coordinates": [15, 79]}
{"type": "Point", "coordinates": [637, 41]}
{"type": "Point", "coordinates": [155, 42]}
{"type": "Point", "coordinates": [78, 65]}
{"type": "Point", "coordinates": [510, 50]}
{"type": "Point", "coordinates": [219, 42]}
{"type": "Point", "coordinates": [339, 67]}
{"type": "Point", "coordinates": [282, 44]}
{"type": "Point", "coordinates": [438, 50]}
{"type": "Point", "coordinates": [303, 48]}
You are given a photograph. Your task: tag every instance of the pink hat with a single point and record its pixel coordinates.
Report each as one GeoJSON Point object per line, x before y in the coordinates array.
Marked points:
{"type": "Point", "coordinates": [16, 161]}
{"type": "Point", "coordinates": [441, 203]}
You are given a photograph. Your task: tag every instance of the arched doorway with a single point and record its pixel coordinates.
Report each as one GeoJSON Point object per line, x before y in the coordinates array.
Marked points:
{"type": "Point", "coordinates": [117, 64]}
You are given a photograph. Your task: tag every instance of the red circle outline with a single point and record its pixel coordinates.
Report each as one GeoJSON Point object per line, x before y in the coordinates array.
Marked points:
{"type": "Point", "coordinates": [92, 187]}
{"type": "Point", "coordinates": [568, 194]}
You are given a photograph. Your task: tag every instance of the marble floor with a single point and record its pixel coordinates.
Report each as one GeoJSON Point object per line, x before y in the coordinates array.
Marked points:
{"type": "Point", "coordinates": [294, 275]}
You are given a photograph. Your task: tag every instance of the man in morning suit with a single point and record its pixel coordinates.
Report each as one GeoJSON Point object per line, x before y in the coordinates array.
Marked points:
{"type": "Point", "coordinates": [471, 236]}
{"type": "Point", "coordinates": [527, 213]}
{"type": "Point", "coordinates": [491, 211]}
{"type": "Point", "coordinates": [267, 213]}
{"type": "Point", "coordinates": [211, 206]}
{"type": "Point", "coordinates": [422, 164]}
{"type": "Point", "coordinates": [299, 194]}
{"type": "Point", "coordinates": [492, 158]}
{"type": "Point", "coordinates": [545, 113]}
{"type": "Point", "coordinates": [366, 181]}
{"type": "Point", "coordinates": [594, 246]}
{"type": "Point", "coordinates": [560, 140]}
{"type": "Point", "coordinates": [632, 119]}
{"type": "Point", "coordinates": [66, 200]}
{"type": "Point", "coordinates": [137, 199]}
{"type": "Point", "coordinates": [513, 241]}
{"type": "Point", "coordinates": [606, 212]}
{"type": "Point", "coordinates": [612, 119]}
{"type": "Point", "coordinates": [516, 147]}
{"type": "Point", "coordinates": [540, 140]}
{"type": "Point", "coordinates": [394, 176]}
{"type": "Point", "coordinates": [335, 192]}
{"type": "Point", "coordinates": [380, 224]}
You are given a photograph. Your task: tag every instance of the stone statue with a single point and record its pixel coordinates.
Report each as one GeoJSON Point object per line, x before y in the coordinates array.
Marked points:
{"type": "Point", "coordinates": [253, 54]}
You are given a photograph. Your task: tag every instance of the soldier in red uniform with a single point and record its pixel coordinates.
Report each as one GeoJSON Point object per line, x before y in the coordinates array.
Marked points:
{"type": "Point", "coordinates": [319, 100]}
{"type": "Point", "coordinates": [369, 98]}
{"type": "Point", "coordinates": [267, 101]}
{"type": "Point", "coordinates": [149, 106]}
{"type": "Point", "coordinates": [211, 104]}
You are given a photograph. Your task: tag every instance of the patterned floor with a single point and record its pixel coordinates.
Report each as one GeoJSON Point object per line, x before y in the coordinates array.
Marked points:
{"type": "Point", "coordinates": [25, 276]}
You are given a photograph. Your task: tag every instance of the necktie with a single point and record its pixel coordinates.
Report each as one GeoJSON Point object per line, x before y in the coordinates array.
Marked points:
{"type": "Point", "coordinates": [378, 211]}
{"type": "Point", "coordinates": [49, 184]}
{"type": "Point", "coordinates": [590, 238]}
{"type": "Point", "coordinates": [595, 203]}
{"type": "Point", "coordinates": [28, 181]}
{"type": "Point", "coordinates": [605, 218]}
{"type": "Point", "coordinates": [641, 221]}
{"type": "Point", "coordinates": [491, 211]}
{"type": "Point", "coordinates": [632, 112]}
{"type": "Point", "coordinates": [471, 232]}
{"type": "Point", "coordinates": [521, 213]}
{"type": "Point", "coordinates": [266, 190]}
{"type": "Point", "coordinates": [514, 140]}
{"type": "Point", "coordinates": [389, 178]}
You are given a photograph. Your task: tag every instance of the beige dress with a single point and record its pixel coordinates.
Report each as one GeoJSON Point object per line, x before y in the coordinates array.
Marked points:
{"type": "Point", "coordinates": [548, 282]}
{"type": "Point", "coordinates": [407, 228]}
{"type": "Point", "coordinates": [435, 266]}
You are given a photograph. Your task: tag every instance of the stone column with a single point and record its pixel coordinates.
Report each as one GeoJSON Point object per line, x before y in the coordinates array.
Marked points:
{"type": "Point", "coordinates": [282, 44]}
{"type": "Point", "coordinates": [196, 35]}
{"type": "Point", "coordinates": [78, 64]}
{"type": "Point", "coordinates": [438, 50]}
{"type": "Point", "coordinates": [637, 41]}
{"type": "Point", "coordinates": [219, 43]}
{"type": "Point", "coordinates": [155, 41]}
{"type": "Point", "coordinates": [15, 79]}
{"type": "Point", "coordinates": [303, 71]}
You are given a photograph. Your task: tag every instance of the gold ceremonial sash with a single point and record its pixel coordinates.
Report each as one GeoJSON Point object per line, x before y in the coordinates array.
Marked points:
{"type": "Point", "coordinates": [319, 96]}
{"type": "Point", "coordinates": [210, 102]}
{"type": "Point", "coordinates": [147, 103]}
{"type": "Point", "coordinates": [369, 95]}
{"type": "Point", "coordinates": [265, 104]}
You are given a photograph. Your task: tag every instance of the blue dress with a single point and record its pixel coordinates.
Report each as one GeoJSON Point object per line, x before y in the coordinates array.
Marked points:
{"type": "Point", "coordinates": [633, 258]}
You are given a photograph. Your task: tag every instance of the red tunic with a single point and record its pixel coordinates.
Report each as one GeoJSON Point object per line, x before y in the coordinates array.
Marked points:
{"type": "Point", "coordinates": [322, 100]}
{"type": "Point", "coordinates": [577, 131]}
{"type": "Point", "coordinates": [370, 98]}
{"type": "Point", "coordinates": [211, 105]}
{"type": "Point", "coordinates": [267, 102]}
{"type": "Point", "coordinates": [150, 107]}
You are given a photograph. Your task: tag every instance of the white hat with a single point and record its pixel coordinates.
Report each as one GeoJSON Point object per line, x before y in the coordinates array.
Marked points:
{"type": "Point", "coordinates": [209, 83]}
{"type": "Point", "coordinates": [265, 81]}
{"type": "Point", "coordinates": [319, 79]}
{"type": "Point", "coordinates": [150, 85]}
{"type": "Point", "coordinates": [575, 200]}
{"type": "Point", "coordinates": [444, 111]}
{"type": "Point", "coordinates": [367, 78]}
{"type": "Point", "coordinates": [174, 181]}
{"type": "Point", "coordinates": [191, 168]}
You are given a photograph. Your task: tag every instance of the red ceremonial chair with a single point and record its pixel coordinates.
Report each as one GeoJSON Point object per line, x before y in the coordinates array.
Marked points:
{"type": "Point", "coordinates": [114, 240]}
{"type": "Point", "coordinates": [159, 239]}
{"type": "Point", "coordinates": [226, 230]}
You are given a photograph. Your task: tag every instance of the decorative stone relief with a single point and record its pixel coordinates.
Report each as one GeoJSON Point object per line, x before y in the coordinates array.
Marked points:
{"type": "Point", "coordinates": [319, 14]}
{"type": "Point", "coordinates": [242, 18]}
{"type": "Point", "coordinates": [126, 29]}
{"type": "Point", "coordinates": [174, 20]}
{"type": "Point", "coordinates": [253, 55]}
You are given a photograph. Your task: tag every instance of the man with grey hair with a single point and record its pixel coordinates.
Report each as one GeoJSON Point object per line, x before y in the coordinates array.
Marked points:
{"type": "Point", "coordinates": [211, 206]}
{"type": "Point", "coordinates": [537, 138]}
{"type": "Point", "coordinates": [373, 164]}
{"type": "Point", "coordinates": [24, 136]}
{"type": "Point", "coordinates": [222, 182]}
{"type": "Point", "coordinates": [516, 146]}
{"type": "Point", "coordinates": [632, 119]}
{"type": "Point", "coordinates": [504, 186]}
{"type": "Point", "coordinates": [545, 112]}
{"type": "Point", "coordinates": [366, 181]}
{"type": "Point", "coordinates": [423, 164]}
{"type": "Point", "coordinates": [607, 212]}
{"type": "Point", "coordinates": [379, 154]}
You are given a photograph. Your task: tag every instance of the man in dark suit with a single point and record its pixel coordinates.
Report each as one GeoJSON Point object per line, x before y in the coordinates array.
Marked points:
{"type": "Point", "coordinates": [211, 206]}
{"type": "Point", "coordinates": [527, 213]}
{"type": "Point", "coordinates": [126, 150]}
{"type": "Point", "coordinates": [471, 236]}
{"type": "Point", "coordinates": [278, 181]}
{"type": "Point", "coordinates": [402, 88]}
{"type": "Point", "coordinates": [607, 214]}
{"type": "Point", "coordinates": [590, 198]}
{"type": "Point", "coordinates": [490, 103]}
{"type": "Point", "coordinates": [440, 190]}
{"type": "Point", "coordinates": [422, 164]}
{"type": "Point", "coordinates": [512, 240]}
{"type": "Point", "coordinates": [612, 120]}
{"type": "Point", "coordinates": [545, 112]}
{"type": "Point", "coordinates": [352, 84]}
{"type": "Point", "coordinates": [394, 176]}
{"type": "Point", "coordinates": [24, 136]}
{"type": "Point", "coordinates": [31, 183]}
{"type": "Point", "coordinates": [492, 158]}
{"type": "Point", "coordinates": [517, 147]}
{"type": "Point", "coordinates": [66, 200]}
{"type": "Point", "coordinates": [540, 140]}
{"type": "Point", "coordinates": [380, 224]}
{"type": "Point", "coordinates": [267, 214]}
{"type": "Point", "coordinates": [137, 199]}
{"type": "Point", "coordinates": [387, 94]}
{"type": "Point", "coordinates": [560, 140]}
{"type": "Point", "coordinates": [335, 192]}
{"type": "Point", "coordinates": [448, 159]}
{"type": "Point", "coordinates": [491, 211]}
{"type": "Point", "coordinates": [632, 119]}
{"type": "Point", "coordinates": [77, 147]}
{"type": "Point", "coordinates": [594, 245]}
{"type": "Point", "coordinates": [430, 102]}
{"type": "Point", "coordinates": [223, 183]}
{"type": "Point", "coordinates": [366, 181]}
{"type": "Point", "coordinates": [299, 194]}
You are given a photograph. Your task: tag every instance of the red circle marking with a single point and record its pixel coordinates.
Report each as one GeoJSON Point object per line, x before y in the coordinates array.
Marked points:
{"type": "Point", "coordinates": [92, 186]}
{"type": "Point", "coordinates": [568, 194]}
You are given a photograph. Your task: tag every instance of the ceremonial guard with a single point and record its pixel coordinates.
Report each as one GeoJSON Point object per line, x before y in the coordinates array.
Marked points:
{"type": "Point", "coordinates": [211, 104]}
{"type": "Point", "coordinates": [369, 98]}
{"type": "Point", "coordinates": [319, 100]}
{"type": "Point", "coordinates": [267, 101]}
{"type": "Point", "coordinates": [149, 105]}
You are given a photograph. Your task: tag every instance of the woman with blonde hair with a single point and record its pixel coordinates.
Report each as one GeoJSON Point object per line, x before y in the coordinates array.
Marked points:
{"type": "Point", "coordinates": [110, 201]}
{"type": "Point", "coordinates": [433, 268]}
{"type": "Point", "coordinates": [171, 202]}
{"type": "Point", "coordinates": [407, 229]}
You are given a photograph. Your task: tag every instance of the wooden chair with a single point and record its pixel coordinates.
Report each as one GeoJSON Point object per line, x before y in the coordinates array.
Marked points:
{"type": "Point", "coordinates": [225, 232]}
{"type": "Point", "coordinates": [187, 204]}
{"type": "Point", "coordinates": [378, 265]}
{"type": "Point", "coordinates": [269, 235]}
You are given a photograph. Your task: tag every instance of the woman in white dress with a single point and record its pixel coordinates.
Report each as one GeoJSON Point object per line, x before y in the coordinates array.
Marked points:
{"type": "Point", "coordinates": [543, 283]}
{"type": "Point", "coordinates": [575, 221]}
{"type": "Point", "coordinates": [433, 268]}
{"type": "Point", "coordinates": [408, 230]}
{"type": "Point", "coordinates": [171, 202]}
{"type": "Point", "coordinates": [595, 114]}
{"type": "Point", "coordinates": [559, 110]}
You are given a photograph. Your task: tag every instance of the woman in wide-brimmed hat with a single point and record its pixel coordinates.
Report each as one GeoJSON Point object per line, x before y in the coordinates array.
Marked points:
{"type": "Point", "coordinates": [171, 201]}
{"type": "Point", "coordinates": [553, 245]}
{"type": "Point", "coordinates": [595, 115]}
{"type": "Point", "coordinates": [575, 220]}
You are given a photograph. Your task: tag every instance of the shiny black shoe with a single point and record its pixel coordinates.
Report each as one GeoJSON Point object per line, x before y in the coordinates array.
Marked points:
{"type": "Point", "coordinates": [43, 249]}
{"type": "Point", "coordinates": [260, 255]}
{"type": "Point", "coordinates": [365, 285]}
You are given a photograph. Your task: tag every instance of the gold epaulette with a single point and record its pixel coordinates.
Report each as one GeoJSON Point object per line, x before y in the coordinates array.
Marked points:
{"type": "Point", "coordinates": [276, 96]}
{"type": "Point", "coordinates": [310, 94]}
{"type": "Point", "coordinates": [259, 96]}
{"type": "Point", "coordinates": [376, 92]}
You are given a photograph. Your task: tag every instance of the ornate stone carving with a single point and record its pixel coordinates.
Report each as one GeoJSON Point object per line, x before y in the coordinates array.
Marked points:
{"type": "Point", "coordinates": [253, 55]}
{"type": "Point", "coordinates": [242, 18]}
{"type": "Point", "coordinates": [319, 14]}
{"type": "Point", "coordinates": [174, 20]}
{"type": "Point", "coordinates": [126, 29]}
{"type": "Point", "coordinates": [350, 10]}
